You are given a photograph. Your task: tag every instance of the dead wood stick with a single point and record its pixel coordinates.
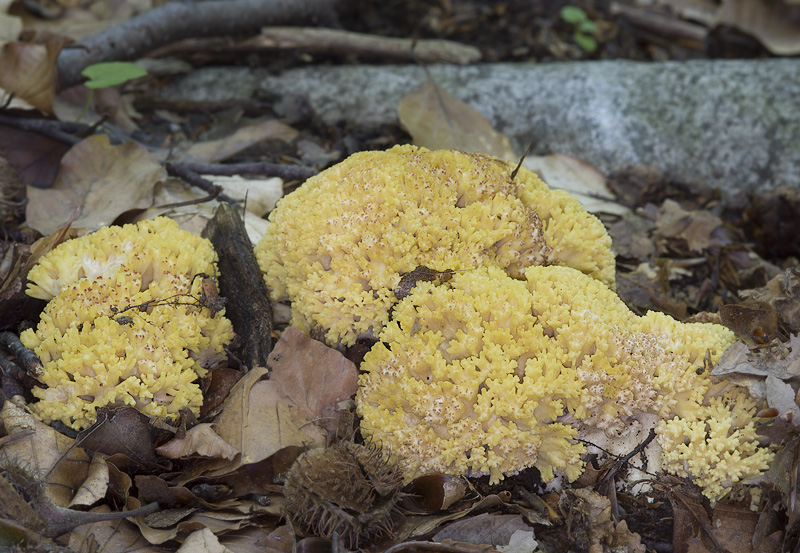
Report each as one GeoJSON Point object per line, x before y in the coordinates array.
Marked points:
{"type": "Point", "coordinates": [663, 25]}
{"type": "Point", "coordinates": [247, 302]}
{"type": "Point", "coordinates": [180, 20]}
{"type": "Point", "coordinates": [25, 357]}
{"type": "Point", "coordinates": [347, 42]}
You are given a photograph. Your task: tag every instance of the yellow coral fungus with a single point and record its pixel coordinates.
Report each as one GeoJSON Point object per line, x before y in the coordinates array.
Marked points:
{"type": "Point", "coordinates": [486, 374]}
{"type": "Point", "coordinates": [339, 245]}
{"type": "Point", "coordinates": [98, 354]}
{"type": "Point", "coordinates": [463, 381]}
{"type": "Point", "coordinates": [716, 444]}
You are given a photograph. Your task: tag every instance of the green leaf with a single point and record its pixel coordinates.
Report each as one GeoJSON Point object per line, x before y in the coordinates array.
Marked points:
{"type": "Point", "coordinates": [587, 27]}
{"type": "Point", "coordinates": [103, 75]}
{"type": "Point", "coordinates": [573, 15]}
{"type": "Point", "coordinates": [587, 43]}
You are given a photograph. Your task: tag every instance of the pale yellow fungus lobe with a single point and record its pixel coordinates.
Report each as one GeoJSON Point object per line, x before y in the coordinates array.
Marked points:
{"type": "Point", "coordinates": [98, 350]}
{"type": "Point", "coordinates": [463, 381]}
{"type": "Point", "coordinates": [715, 444]}
{"type": "Point", "coordinates": [487, 374]}
{"type": "Point", "coordinates": [339, 245]}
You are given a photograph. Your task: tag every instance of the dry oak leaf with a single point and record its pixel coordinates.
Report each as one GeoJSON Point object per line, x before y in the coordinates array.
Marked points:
{"type": "Point", "coordinates": [199, 440]}
{"type": "Point", "coordinates": [438, 120]}
{"type": "Point", "coordinates": [98, 180]}
{"type": "Point", "coordinates": [29, 72]}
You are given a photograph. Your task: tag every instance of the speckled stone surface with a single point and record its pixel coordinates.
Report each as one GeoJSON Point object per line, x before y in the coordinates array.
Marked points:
{"type": "Point", "coordinates": [721, 123]}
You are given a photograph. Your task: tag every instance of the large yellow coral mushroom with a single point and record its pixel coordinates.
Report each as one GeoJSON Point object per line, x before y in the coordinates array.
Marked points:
{"type": "Point", "coordinates": [340, 244]}
{"type": "Point", "coordinates": [486, 374]}
{"type": "Point", "coordinates": [97, 351]}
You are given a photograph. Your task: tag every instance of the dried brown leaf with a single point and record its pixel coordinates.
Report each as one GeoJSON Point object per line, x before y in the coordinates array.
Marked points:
{"type": "Point", "coordinates": [34, 157]}
{"type": "Point", "coordinates": [218, 522]}
{"type": "Point", "coordinates": [98, 180]}
{"type": "Point", "coordinates": [433, 492]}
{"type": "Point", "coordinates": [257, 421]}
{"type": "Point", "coordinates": [774, 24]}
{"type": "Point", "coordinates": [783, 293]}
{"type": "Point", "coordinates": [590, 514]}
{"type": "Point", "coordinates": [29, 72]}
{"type": "Point", "coordinates": [578, 178]}
{"type": "Point", "coordinates": [202, 541]}
{"type": "Point", "coordinates": [49, 457]}
{"type": "Point", "coordinates": [314, 377]}
{"type": "Point", "coordinates": [438, 120]}
{"type": "Point", "coordinates": [699, 229]}
{"type": "Point", "coordinates": [483, 529]}
{"type": "Point", "coordinates": [95, 487]}
{"type": "Point", "coordinates": [258, 540]}
{"type": "Point", "coordinates": [111, 536]}
{"type": "Point", "coordinates": [124, 430]}
{"type": "Point", "coordinates": [420, 525]}
{"type": "Point", "coordinates": [219, 150]}
{"type": "Point", "coordinates": [199, 440]}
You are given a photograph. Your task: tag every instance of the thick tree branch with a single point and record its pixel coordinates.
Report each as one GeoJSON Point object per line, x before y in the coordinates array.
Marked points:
{"type": "Point", "coordinates": [181, 20]}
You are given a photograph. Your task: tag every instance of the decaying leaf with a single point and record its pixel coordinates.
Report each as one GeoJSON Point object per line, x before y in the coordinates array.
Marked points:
{"type": "Point", "coordinates": [29, 71]}
{"type": "Point", "coordinates": [34, 157]}
{"type": "Point", "coordinates": [783, 294]}
{"type": "Point", "coordinates": [313, 377]}
{"type": "Point", "coordinates": [257, 421]}
{"type": "Point", "coordinates": [579, 179]}
{"type": "Point", "coordinates": [98, 180]}
{"type": "Point", "coordinates": [434, 492]}
{"type": "Point", "coordinates": [483, 529]}
{"type": "Point", "coordinates": [769, 372]}
{"type": "Point", "coordinates": [110, 536]}
{"type": "Point", "coordinates": [48, 456]}
{"type": "Point", "coordinates": [438, 120]}
{"type": "Point", "coordinates": [95, 487]}
{"type": "Point", "coordinates": [124, 430]}
{"type": "Point", "coordinates": [203, 541]}
{"type": "Point", "coordinates": [774, 24]}
{"type": "Point", "coordinates": [700, 229]}
{"type": "Point", "coordinates": [219, 150]}
{"type": "Point", "coordinates": [199, 440]}
{"type": "Point", "coordinates": [593, 524]}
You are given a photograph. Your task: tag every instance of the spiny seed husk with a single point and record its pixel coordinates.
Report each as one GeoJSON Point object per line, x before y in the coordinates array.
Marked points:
{"type": "Point", "coordinates": [346, 488]}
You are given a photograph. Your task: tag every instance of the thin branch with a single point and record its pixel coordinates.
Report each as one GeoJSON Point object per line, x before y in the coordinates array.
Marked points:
{"type": "Point", "coordinates": [175, 21]}
{"type": "Point", "coordinates": [45, 127]}
{"type": "Point", "coordinates": [25, 357]}
{"type": "Point", "coordinates": [192, 178]}
{"type": "Point", "coordinates": [664, 25]}
{"type": "Point", "coordinates": [347, 42]}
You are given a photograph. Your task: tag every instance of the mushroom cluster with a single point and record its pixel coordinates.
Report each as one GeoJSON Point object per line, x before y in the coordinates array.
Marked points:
{"type": "Point", "coordinates": [340, 244]}
{"type": "Point", "coordinates": [126, 322]}
{"type": "Point", "coordinates": [501, 343]}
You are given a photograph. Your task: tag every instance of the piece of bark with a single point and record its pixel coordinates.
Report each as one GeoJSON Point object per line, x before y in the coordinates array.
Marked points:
{"type": "Point", "coordinates": [242, 285]}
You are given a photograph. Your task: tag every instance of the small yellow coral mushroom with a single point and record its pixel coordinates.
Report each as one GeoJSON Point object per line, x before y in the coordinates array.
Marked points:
{"type": "Point", "coordinates": [486, 374]}
{"type": "Point", "coordinates": [98, 354]}
{"type": "Point", "coordinates": [340, 244]}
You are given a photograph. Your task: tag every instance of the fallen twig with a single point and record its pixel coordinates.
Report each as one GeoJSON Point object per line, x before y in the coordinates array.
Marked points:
{"type": "Point", "coordinates": [25, 357]}
{"type": "Point", "coordinates": [192, 178]}
{"type": "Point", "coordinates": [663, 25]}
{"type": "Point", "coordinates": [180, 20]}
{"type": "Point", "coordinates": [346, 42]}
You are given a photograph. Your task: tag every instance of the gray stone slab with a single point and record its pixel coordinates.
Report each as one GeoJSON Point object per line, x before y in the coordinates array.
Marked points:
{"type": "Point", "coordinates": [721, 123]}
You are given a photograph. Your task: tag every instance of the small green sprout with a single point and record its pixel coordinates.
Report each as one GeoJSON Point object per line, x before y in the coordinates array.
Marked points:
{"type": "Point", "coordinates": [584, 27]}
{"type": "Point", "coordinates": [107, 74]}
